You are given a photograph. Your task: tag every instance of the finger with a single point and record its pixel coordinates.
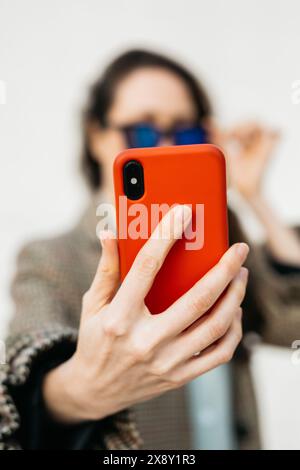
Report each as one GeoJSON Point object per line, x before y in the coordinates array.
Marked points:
{"type": "Point", "coordinates": [202, 296]}
{"type": "Point", "coordinates": [106, 280]}
{"type": "Point", "coordinates": [252, 133]}
{"type": "Point", "coordinates": [268, 142]}
{"type": "Point", "coordinates": [214, 356]}
{"type": "Point", "coordinates": [150, 258]}
{"type": "Point", "coordinates": [210, 328]}
{"type": "Point", "coordinates": [243, 131]}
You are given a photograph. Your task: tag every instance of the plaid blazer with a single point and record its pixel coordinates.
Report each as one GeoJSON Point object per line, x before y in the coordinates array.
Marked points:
{"type": "Point", "coordinates": [52, 275]}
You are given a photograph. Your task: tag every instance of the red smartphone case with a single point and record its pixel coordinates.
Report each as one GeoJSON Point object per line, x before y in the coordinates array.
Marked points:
{"type": "Point", "coordinates": [191, 174]}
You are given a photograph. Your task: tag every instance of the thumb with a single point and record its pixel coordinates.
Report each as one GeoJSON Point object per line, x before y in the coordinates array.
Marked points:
{"type": "Point", "coordinates": [106, 280]}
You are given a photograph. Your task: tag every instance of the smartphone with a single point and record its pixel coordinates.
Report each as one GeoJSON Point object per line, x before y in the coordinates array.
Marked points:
{"type": "Point", "coordinates": [148, 182]}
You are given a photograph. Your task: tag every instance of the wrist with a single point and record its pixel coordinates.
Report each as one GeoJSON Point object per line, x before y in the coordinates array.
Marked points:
{"type": "Point", "coordinates": [253, 197]}
{"type": "Point", "coordinates": [64, 394]}
{"type": "Point", "coordinates": [256, 201]}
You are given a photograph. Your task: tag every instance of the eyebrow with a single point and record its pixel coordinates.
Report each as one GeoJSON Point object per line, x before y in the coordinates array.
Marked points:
{"type": "Point", "coordinates": [151, 118]}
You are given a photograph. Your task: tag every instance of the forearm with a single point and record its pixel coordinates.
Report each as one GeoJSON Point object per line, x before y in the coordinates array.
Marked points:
{"type": "Point", "coordinates": [283, 242]}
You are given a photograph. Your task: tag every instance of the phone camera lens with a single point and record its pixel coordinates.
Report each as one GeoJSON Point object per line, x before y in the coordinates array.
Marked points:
{"type": "Point", "coordinates": [133, 179]}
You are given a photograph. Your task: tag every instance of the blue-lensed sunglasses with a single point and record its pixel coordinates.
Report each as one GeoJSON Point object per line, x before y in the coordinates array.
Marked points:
{"type": "Point", "coordinates": [147, 135]}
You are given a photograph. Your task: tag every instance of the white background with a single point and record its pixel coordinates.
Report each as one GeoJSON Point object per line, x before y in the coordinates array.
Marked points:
{"type": "Point", "coordinates": [247, 53]}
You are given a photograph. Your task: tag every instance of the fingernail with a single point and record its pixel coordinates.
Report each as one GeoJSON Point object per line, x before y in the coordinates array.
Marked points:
{"type": "Point", "coordinates": [243, 274]}
{"type": "Point", "coordinates": [104, 235]}
{"type": "Point", "coordinates": [183, 212]}
{"type": "Point", "coordinates": [242, 250]}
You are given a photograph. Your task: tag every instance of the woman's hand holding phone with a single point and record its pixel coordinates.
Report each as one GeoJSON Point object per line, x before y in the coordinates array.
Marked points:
{"type": "Point", "coordinates": [124, 354]}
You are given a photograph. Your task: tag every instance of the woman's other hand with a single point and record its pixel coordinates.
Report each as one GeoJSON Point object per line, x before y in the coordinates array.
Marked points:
{"type": "Point", "coordinates": [248, 149]}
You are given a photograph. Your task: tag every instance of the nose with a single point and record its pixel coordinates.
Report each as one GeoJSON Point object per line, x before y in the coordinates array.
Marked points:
{"type": "Point", "coordinates": [165, 141]}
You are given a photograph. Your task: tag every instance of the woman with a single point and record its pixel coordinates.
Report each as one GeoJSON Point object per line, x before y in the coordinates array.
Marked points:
{"type": "Point", "coordinates": [80, 352]}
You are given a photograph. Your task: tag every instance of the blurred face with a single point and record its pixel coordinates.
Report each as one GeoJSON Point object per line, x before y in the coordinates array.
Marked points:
{"type": "Point", "coordinates": [153, 95]}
